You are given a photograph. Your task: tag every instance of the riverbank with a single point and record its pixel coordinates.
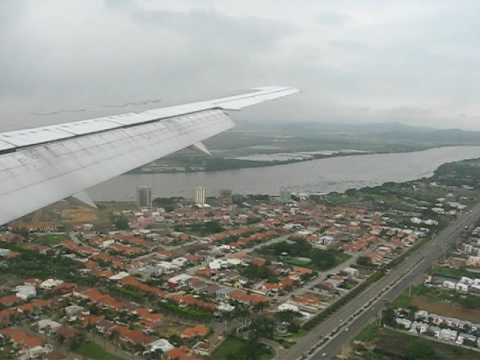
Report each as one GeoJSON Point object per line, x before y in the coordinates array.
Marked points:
{"type": "Point", "coordinates": [316, 176]}
{"type": "Point", "coordinates": [221, 164]}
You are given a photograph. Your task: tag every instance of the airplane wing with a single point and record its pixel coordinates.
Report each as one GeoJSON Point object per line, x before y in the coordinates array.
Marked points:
{"type": "Point", "coordinates": [43, 165]}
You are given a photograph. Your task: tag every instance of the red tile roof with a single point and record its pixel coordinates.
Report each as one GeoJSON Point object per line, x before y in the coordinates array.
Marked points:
{"type": "Point", "coordinates": [22, 338]}
{"type": "Point", "coordinates": [132, 336]}
{"type": "Point", "coordinates": [195, 331]}
{"type": "Point", "coordinates": [251, 299]}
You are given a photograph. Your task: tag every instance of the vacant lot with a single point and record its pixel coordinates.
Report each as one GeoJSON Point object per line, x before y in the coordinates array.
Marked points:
{"type": "Point", "coordinates": [445, 309]}
{"type": "Point", "coordinates": [398, 345]}
{"type": "Point", "coordinates": [442, 302]}
{"type": "Point", "coordinates": [90, 350]}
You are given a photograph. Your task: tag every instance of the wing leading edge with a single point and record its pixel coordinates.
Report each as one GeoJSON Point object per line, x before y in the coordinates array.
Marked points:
{"type": "Point", "coordinates": [44, 165]}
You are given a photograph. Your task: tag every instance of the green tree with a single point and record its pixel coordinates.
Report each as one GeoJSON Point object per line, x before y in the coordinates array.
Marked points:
{"type": "Point", "coordinates": [364, 261]}
{"type": "Point", "coordinates": [388, 317]}
{"type": "Point", "coordinates": [121, 222]}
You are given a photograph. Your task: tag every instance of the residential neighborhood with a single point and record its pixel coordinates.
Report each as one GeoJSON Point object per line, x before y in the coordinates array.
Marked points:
{"type": "Point", "coordinates": [181, 281]}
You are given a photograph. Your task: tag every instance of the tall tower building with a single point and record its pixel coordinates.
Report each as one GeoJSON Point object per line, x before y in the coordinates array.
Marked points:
{"type": "Point", "coordinates": [144, 196]}
{"type": "Point", "coordinates": [200, 196]}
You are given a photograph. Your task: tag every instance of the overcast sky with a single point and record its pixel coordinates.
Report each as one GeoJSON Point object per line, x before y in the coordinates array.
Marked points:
{"type": "Point", "coordinates": [412, 61]}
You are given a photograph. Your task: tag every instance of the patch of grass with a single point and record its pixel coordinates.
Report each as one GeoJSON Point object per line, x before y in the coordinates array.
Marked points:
{"type": "Point", "coordinates": [32, 264]}
{"type": "Point", "coordinates": [186, 312]}
{"type": "Point", "coordinates": [369, 333]}
{"type": "Point", "coordinates": [403, 301]}
{"type": "Point", "coordinates": [50, 239]}
{"type": "Point", "coordinates": [298, 261]}
{"type": "Point", "coordinates": [95, 352]}
{"type": "Point", "coordinates": [454, 273]}
{"type": "Point", "coordinates": [201, 228]}
{"type": "Point", "coordinates": [236, 348]}
{"type": "Point", "coordinates": [293, 252]}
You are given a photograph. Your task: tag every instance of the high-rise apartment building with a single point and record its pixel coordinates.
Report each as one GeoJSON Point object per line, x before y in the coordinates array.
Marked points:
{"type": "Point", "coordinates": [200, 196]}
{"type": "Point", "coordinates": [144, 196]}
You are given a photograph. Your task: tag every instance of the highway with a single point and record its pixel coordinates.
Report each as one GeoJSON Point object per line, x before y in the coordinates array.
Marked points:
{"type": "Point", "coordinates": [329, 337]}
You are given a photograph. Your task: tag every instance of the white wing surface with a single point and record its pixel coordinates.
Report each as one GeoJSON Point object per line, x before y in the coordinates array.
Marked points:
{"type": "Point", "coordinates": [43, 165]}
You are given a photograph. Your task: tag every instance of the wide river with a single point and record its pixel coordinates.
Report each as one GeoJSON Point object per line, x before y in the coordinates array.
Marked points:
{"type": "Point", "coordinates": [323, 175]}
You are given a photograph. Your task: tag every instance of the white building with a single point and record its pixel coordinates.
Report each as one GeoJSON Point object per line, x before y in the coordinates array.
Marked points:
{"type": "Point", "coordinates": [50, 284]}
{"type": "Point", "coordinates": [200, 196]}
{"type": "Point", "coordinates": [161, 344]}
{"type": "Point", "coordinates": [288, 307]}
{"type": "Point", "coordinates": [448, 335]}
{"type": "Point", "coordinates": [448, 284]}
{"type": "Point", "coordinates": [179, 280]}
{"type": "Point", "coordinates": [461, 287]}
{"type": "Point", "coordinates": [404, 322]}
{"type": "Point", "coordinates": [352, 272]}
{"type": "Point", "coordinates": [466, 280]}
{"type": "Point", "coordinates": [25, 292]}
{"type": "Point", "coordinates": [47, 326]}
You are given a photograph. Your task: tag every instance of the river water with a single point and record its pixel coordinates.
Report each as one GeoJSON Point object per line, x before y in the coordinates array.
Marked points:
{"type": "Point", "coordinates": [323, 175]}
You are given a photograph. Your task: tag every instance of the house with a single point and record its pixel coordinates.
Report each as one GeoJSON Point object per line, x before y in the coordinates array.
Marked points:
{"type": "Point", "coordinates": [148, 318]}
{"type": "Point", "coordinates": [351, 272]}
{"type": "Point", "coordinates": [462, 287]}
{"type": "Point", "coordinates": [73, 310]}
{"type": "Point", "coordinates": [103, 300]}
{"type": "Point", "coordinates": [288, 307]}
{"type": "Point", "coordinates": [248, 299]}
{"type": "Point", "coordinates": [180, 262]}
{"type": "Point", "coordinates": [202, 348]}
{"type": "Point", "coordinates": [435, 330]}
{"type": "Point", "coordinates": [419, 327]}
{"type": "Point", "coordinates": [421, 314]}
{"type": "Point", "coordinates": [181, 353]}
{"type": "Point", "coordinates": [199, 330]}
{"type": "Point", "coordinates": [161, 344]}
{"type": "Point", "coordinates": [26, 292]}
{"type": "Point", "coordinates": [404, 322]}
{"type": "Point", "coordinates": [9, 300]}
{"type": "Point", "coordinates": [91, 320]}
{"type": "Point", "coordinates": [466, 280]}
{"type": "Point", "coordinates": [47, 326]}
{"type": "Point", "coordinates": [448, 284]}
{"type": "Point", "coordinates": [179, 280]}
{"type": "Point", "coordinates": [50, 284]}
{"type": "Point", "coordinates": [448, 335]}
{"type": "Point", "coordinates": [133, 337]}
{"type": "Point", "coordinates": [31, 346]}
{"type": "Point", "coordinates": [67, 334]}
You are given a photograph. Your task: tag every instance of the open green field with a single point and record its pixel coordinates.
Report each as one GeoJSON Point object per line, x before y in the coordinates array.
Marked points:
{"type": "Point", "coordinates": [237, 349]}
{"type": "Point", "coordinates": [454, 273]}
{"type": "Point", "coordinates": [400, 345]}
{"type": "Point", "coordinates": [294, 253]}
{"type": "Point", "coordinates": [50, 239]}
{"type": "Point", "coordinates": [95, 352]}
{"type": "Point", "coordinates": [298, 261]}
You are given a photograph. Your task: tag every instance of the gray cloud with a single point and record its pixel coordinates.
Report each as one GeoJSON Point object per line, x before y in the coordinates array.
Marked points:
{"type": "Point", "coordinates": [374, 61]}
{"type": "Point", "coordinates": [332, 18]}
